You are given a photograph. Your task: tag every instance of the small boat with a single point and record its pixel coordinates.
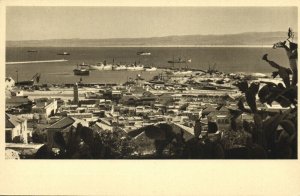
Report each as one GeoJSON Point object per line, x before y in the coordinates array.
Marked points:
{"type": "Point", "coordinates": [63, 53]}
{"type": "Point", "coordinates": [31, 50]}
{"type": "Point", "coordinates": [142, 53]}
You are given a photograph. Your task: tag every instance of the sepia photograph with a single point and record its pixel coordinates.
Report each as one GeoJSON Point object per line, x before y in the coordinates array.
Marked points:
{"type": "Point", "coordinates": [146, 82]}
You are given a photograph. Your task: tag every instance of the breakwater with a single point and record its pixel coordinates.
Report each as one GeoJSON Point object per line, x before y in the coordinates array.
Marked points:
{"type": "Point", "coordinates": [44, 61]}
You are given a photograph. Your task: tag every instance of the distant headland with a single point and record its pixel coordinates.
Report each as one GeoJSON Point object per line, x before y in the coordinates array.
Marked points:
{"type": "Point", "coordinates": [249, 39]}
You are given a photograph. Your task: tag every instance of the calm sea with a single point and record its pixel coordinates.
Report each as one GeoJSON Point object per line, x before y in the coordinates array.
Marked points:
{"type": "Point", "coordinates": [227, 59]}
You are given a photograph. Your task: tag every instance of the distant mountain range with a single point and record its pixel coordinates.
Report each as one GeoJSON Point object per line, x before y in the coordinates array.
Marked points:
{"type": "Point", "coordinates": [250, 38]}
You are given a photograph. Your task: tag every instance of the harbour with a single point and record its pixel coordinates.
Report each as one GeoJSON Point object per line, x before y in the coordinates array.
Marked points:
{"type": "Point", "coordinates": [150, 98]}
{"type": "Point", "coordinates": [246, 60]}
{"type": "Point", "coordinates": [154, 102]}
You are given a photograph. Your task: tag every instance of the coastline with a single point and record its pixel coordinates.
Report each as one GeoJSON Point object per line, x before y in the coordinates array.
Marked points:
{"type": "Point", "coordinates": [150, 46]}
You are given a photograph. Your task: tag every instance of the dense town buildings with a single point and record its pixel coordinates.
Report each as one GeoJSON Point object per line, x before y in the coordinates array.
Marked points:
{"type": "Point", "coordinates": [178, 100]}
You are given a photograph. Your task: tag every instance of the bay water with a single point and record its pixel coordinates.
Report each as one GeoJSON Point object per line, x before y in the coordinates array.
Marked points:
{"type": "Point", "coordinates": [226, 59]}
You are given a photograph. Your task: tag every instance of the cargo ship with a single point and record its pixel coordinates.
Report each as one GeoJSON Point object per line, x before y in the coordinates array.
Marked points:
{"type": "Point", "coordinates": [82, 70]}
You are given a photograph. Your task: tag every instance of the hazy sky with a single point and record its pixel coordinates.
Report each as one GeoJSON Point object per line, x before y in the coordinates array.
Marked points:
{"type": "Point", "coordinates": [35, 23]}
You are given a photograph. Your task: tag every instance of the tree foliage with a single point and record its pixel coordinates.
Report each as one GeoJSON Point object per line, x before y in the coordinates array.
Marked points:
{"type": "Point", "coordinates": [276, 132]}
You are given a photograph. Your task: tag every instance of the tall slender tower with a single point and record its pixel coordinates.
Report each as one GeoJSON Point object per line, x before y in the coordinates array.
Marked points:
{"type": "Point", "coordinates": [76, 99]}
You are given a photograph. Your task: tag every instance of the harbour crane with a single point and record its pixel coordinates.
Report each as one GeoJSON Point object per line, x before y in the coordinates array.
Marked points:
{"type": "Point", "coordinates": [35, 78]}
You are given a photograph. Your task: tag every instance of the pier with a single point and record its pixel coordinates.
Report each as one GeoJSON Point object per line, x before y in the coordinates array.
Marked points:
{"type": "Point", "coordinates": [44, 61]}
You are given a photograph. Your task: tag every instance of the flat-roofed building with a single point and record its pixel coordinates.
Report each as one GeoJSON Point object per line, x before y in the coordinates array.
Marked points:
{"type": "Point", "coordinates": [16, 129]}
{"type": "Point", "coordinates": [45, 107]}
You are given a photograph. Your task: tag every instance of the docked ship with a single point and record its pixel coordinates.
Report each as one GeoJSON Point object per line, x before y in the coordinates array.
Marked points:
{"type": "Point", "coordinates": [101, 66]}
{"type": "Point", "coordinates": [135, 67]}
{"type": "Point", "coordinates": [108, 67]}
{"type": "Point", "coordinates": [120, 67]}
{"type": "Point", "coordinates": [98, 66]}
{"type": "Point", "coordinates": [82, 70]}
{"type": "Point", "coordinates": [148, 68]}
{"type": "Point", "coordinates": [142, 53]}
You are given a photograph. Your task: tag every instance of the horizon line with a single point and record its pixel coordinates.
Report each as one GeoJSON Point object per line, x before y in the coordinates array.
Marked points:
{"type": "Point", "coordinates": [161, 46]}
{"type": "Point", "coordinates": [296, 32]}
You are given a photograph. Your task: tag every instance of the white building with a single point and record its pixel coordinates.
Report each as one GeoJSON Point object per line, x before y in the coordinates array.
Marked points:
{"type": "Point", "coordinates": [16, 129]}
{"type": "Point", "coordinates": [45, 107]}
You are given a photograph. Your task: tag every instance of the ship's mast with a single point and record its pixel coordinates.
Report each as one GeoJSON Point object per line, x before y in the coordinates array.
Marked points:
{"type": "Point", "coordinates": [173, 62]}
{"type": "Point", "coordinates": [17, 76]}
